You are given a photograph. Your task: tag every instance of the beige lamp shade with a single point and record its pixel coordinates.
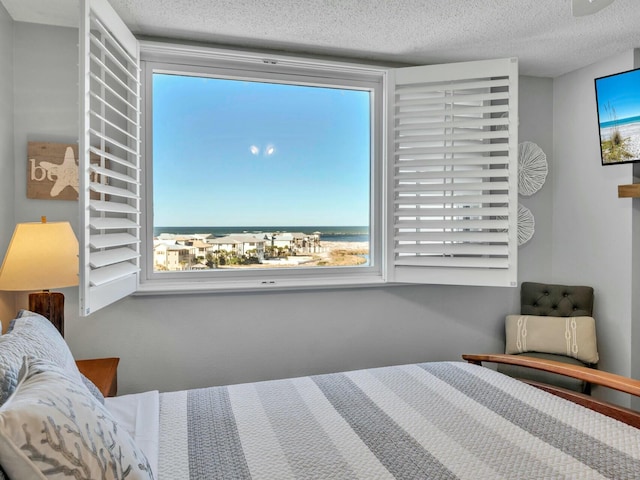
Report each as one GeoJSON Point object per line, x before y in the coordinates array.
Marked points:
{"type": "Point", "coordinates": [41, 256]}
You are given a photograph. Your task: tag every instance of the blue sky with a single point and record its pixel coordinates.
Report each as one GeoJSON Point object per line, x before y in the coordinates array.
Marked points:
{"type": "Point", "coordinates": [237, 153]}
{"type": "Point", "coordinates": [623, 92]}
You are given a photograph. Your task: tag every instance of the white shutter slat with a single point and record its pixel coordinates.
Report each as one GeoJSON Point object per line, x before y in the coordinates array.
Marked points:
{"type": "Point", "coordinates": [103, 103]}
{"type": "Point", "coordinates": [406, 157]}
{"type": "Point", "coordinates": [463, 148]}
{"type": "Point", "coordinates": [455, 249]}
{"type": "Point", "coordinates": [110, 257]}
{"type": "Point", "coordinates": [452, 236]}
{"type": "Point", "coordinates": [451, 187]}
{"type": "Point", "coordinates": [453, 262]}
{"type": "Point", "coordinates": [481, 224]}
{"type": "Point", "coordinates": [112, 207]}
{"type": "Point", "coordinates": [112, 174]}
{"type": "Point", "coordinates": [453, 200]}
{"type": "Point", "coordinates": [112, 240]}
{"type": "Point", "coordinates": [112, 273]}
{"type": "Point", "coordinates": [107, 189]}
{"type": "Point", "coordinates": [113, 142]}
{"type": "Point", "coordinates": [109, 128]}
{"type": "Point", "coordinates": [420, 133]}
{"type": "Point", "coordinates": [112, 124]}
{"type": "Point", "coordinates": [410, 163]}
{"type": "Point", "coordinates": [453, 174]}
{"type": "Point", "coordinates": [438, 87]}
{"type": "Point", "coordinates": [452, 212]}
{"type": "Point", "coordinates": [429, 121]}
{"type": "Point", "coordinates": [455, 110]}
{"type": "Point", "coordinates": [415, 100]}
{"type": "Point", "coordinates": [112, 223]}
{"type": "Point", "coordinates": [119, 160]}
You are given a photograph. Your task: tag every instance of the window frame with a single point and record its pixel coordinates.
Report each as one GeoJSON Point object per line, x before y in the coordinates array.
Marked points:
{"type": "Point", "coordinates": [160, 57]}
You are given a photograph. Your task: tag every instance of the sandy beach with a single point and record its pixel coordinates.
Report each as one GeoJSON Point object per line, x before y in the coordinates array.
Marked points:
{"type": "Point", "coordinates": [350, 246]}
{"type": "Point", "coordinates": [354, 252]}
{"type": "Point", "coordinates": [631, 131]}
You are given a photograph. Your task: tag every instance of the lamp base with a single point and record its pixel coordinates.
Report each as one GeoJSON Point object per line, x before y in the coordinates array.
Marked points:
{"type": "Point", "coordinates": [50, 305]}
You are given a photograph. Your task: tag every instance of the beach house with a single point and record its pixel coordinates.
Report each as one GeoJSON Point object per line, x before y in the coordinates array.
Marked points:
{"type": "Point", "coordinates": [174, 257]}
{"type": "Point", "coordinates": [583, 233]}
{"type": "Point", "coordinates": [239, 243]}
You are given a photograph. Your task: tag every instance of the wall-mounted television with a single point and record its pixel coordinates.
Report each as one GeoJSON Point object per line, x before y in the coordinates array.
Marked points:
{"type": "Point", "coordinates": [618, 101]}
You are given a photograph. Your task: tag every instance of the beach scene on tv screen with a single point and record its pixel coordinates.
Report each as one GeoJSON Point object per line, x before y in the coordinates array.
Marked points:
{"type": "Point", "coordinates": [619, 117]}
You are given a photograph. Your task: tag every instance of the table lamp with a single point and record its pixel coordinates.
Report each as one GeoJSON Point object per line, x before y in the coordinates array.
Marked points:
{"type": "Point", "coordinates": [42, 256]}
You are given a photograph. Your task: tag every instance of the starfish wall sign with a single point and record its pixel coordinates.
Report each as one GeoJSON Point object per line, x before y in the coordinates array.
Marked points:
{"type": "Point", "coordinates": [52, 171]}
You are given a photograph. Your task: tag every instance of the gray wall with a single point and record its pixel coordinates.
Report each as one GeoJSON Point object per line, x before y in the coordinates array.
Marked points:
{"type": "Point", "coordinates": [7, 305]}
{"type": "Point", "coordinates": [175, 342]}
{"type": "Point", "coordinates": [536, 110]}
{"type": "Point", "coordinates": [592, 233]}
{"type": "Point", "coordinates": [45, 79]}
{"type": "Point", "coordinates": [635, 266]}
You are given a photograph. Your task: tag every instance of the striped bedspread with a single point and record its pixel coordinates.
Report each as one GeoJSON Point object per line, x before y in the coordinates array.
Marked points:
{"type": "Point", "coordinates": [443, 420]}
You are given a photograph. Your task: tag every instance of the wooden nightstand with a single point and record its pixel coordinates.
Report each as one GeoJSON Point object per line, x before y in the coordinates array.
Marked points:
{"type": "Point", "coordinates": [103, 372]}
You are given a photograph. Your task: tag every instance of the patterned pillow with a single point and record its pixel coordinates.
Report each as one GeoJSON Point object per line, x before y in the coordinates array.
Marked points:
{"type": "Point", "coordinates": [571, 336]}
{"type": "Point", "coordinates": [53, 427]}
{"type": "Point", "coordinates": [33, 335]}
{"type": "Point", "coordinates": [93, 389]}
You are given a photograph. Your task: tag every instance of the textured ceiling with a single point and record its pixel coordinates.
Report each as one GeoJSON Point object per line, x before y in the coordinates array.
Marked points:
{"type": "Point", "coordinates": [543, 34]}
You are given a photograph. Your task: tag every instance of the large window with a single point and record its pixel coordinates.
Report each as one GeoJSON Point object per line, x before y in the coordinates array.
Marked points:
{"type": "Point", "coordinates": [223, 170]}
{"type": "Point", "coordinates": [249, 174]}
{"type": "Point", "coordinates": [260, 174]}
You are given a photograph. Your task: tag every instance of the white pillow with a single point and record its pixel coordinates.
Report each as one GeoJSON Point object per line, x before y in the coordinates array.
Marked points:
{"type": "Point", "coordinates": [571, 336]}
{"type": "Point", "coordinates": [52, 427]}
{"type": "Point", "coordinates": [33, 335]}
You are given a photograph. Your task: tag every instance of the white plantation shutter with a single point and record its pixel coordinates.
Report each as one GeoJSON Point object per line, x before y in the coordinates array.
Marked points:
{"type": "Point", "coordinates": [110, 132]}
{"type": "Point", "coordinates": [453, 145]}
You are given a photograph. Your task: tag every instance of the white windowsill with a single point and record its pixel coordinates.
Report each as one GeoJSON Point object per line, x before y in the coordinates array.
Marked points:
{"type": "Point", "coordinates": [158, 287]}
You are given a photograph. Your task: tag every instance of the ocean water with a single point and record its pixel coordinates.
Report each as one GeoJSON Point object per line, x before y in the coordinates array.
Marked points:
{"type": "Point", "coordinates": [329, 234]}
{"type": "Point", "coordinates": [620, 122]}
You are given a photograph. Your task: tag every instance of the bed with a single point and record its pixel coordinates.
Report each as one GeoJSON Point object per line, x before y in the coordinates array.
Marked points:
{"type": "Point", "coordinates": [421, 421]}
